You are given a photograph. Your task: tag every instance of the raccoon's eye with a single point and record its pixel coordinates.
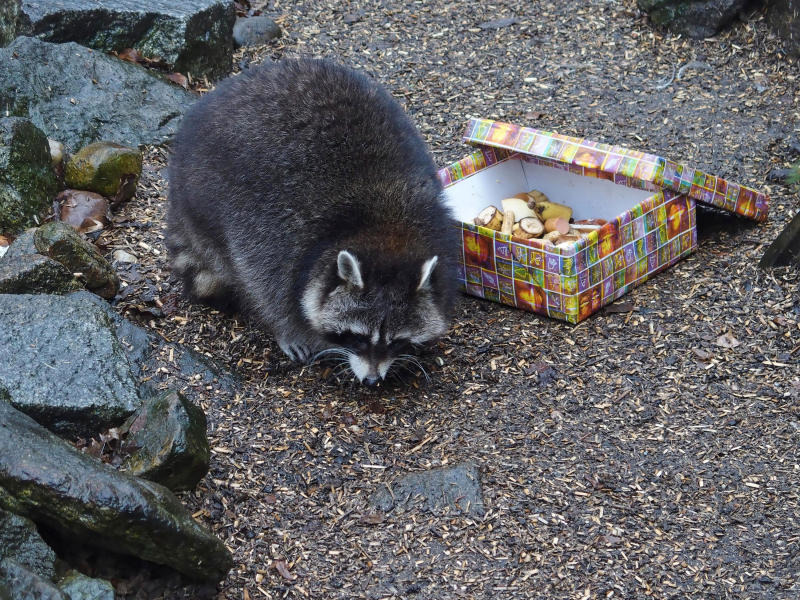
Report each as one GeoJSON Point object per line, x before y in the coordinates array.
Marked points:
{"type": "Point", "coordinates": [399, 345]}
{"type": "Point", "coordinates": [348, 339]}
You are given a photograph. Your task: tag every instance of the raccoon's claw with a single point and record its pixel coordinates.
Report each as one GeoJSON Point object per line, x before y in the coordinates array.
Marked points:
{"type": "Point", "coordinates": [295, 352]}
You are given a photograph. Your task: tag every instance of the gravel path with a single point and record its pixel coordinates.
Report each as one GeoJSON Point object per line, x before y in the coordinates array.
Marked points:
{"type": "Point", "coordinates": [651, 451]}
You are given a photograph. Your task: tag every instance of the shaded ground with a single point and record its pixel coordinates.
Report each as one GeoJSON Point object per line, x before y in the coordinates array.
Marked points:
{"type": "Point", "coordinates": [633, 455]}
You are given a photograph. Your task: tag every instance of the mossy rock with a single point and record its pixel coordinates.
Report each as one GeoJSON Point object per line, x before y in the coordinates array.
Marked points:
{"type": "Point", "coordinates": [61, 242]}
{"type": "Point", "coordinates": [35, 274]}
{"type": "Point", "coordinates": [27, 181]}
{"type": "Point", "coordinates": [110, 169]}
{"type": "Point", "coordinates": [170, 432]}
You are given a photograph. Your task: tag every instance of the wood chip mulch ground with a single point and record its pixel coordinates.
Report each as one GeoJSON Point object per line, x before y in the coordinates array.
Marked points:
{"type": "Point", "coordinates": [651, 451]}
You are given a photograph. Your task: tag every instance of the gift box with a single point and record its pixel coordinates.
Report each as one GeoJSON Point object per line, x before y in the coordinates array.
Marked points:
{"type": "Point", "coordinates": [649, 203]}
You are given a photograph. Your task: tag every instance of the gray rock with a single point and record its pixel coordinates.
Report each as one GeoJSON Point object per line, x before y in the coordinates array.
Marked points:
{"type": "Point", "coordinates": [78, 586]}
{"type": "Point", "coordinates": [170, 433]}
{"type": "Point", "coordinates": [61, 242]}
{"type": "Point", "coordinates": [456, 487]}
{"type": "Point", "coordinates": [255, 31]}
{"type": "Point", "coordinates": [19, 583]}
{"type": "Point", "coordinates": [193, 36]}
{"type": "Point", "coordinates": [785, 250]}
{"type": "Point", "coordinates": [21, 542]}
{"type": "Point", "coordinates": [694, 18]}
{"type": "Point", "coordinates": [74, 393]}
{"type": "Point", "coordinates": [11, 21]}
{"type": "Point", "coordinates": [27, 181]}
{"type": "Point", "coordinates": [784, 17]}
{"type": "Point", "coordinates": [49, 481]}
{"type": "Point", "coordinates": [88, 95]}
{"type": "Point", "coordinates": [22, 245]}
{"type": "Point", "coordinates": [107, 168]}
{"type": "Point", "coordinates": [35, 274]}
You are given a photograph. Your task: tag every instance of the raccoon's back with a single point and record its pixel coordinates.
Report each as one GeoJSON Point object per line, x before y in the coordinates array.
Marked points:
{"type": "Point", "coordinates": [286, 159]}
{"type": "Point", "coordinates": [308, 136]}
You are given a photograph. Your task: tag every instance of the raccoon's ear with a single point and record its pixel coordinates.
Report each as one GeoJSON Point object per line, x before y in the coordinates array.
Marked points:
{"type": "Point", "coordinates": [427, 271]}
{"type": "Point", "coordinates": [349, 269]}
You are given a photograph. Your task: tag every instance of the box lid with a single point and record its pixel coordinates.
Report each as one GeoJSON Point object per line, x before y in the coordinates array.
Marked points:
{"type": "Point", "coordinates": [662, 172]}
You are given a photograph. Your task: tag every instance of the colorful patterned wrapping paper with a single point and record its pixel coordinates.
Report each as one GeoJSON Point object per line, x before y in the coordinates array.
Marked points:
{"type": "Point", "coordinates": [576, 280]}
{"type": "Point", "coordinates": [661, 172]}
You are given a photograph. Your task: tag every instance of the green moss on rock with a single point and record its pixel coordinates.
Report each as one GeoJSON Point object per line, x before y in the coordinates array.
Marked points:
{"type": "Point", "coordinates": [35, 274]}
{"type": "Point", "coordinates": [170, 432]}
{"type": "Point", "coordinates": [65, 245]}
{"type": "Point", "coordinates": [106, 168]}
{"type": "Point", "coordinates": [27, 181]}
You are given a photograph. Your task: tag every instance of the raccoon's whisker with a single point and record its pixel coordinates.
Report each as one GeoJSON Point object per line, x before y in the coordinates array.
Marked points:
{"type": "Point", "coordinates": [406, 363]}
{"type": "Point", "coordinates": [410, 358]}
{"type": "Point", "coordinates": [342, 368]}
{"type": "Point", "coordinates": [331, 352]}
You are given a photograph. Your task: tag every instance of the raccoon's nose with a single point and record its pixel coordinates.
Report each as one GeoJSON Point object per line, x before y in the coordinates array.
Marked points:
{"type": "Point", "coordinates": [371, 380]}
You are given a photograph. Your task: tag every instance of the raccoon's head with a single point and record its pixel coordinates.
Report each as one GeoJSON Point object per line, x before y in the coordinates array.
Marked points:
{"type": "Point", "coordinates": [372, 315]}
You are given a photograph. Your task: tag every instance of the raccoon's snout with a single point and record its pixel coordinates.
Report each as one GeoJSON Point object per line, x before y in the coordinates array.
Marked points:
{"type": "Point", "coordinates": [368, 371]}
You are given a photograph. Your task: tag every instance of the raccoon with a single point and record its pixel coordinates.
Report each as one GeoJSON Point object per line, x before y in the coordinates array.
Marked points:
{"type": "Point", "coordinates": [301, 194]}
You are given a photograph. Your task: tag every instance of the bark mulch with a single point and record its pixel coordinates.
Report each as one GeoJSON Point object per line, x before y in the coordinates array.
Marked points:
{"type": "Point", "coordinates": [651, 451]}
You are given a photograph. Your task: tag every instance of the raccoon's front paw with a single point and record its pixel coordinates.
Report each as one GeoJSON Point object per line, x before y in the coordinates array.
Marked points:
{"type": "Point", "coordinates": [296, 351]}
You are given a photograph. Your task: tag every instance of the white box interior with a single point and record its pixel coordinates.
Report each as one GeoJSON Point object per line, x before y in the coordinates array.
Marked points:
{"type": "Point", "coordinates": [589, 197]}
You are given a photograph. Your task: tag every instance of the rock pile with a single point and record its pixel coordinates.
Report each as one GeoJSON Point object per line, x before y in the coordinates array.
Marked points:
{"type": "Point", "coordinates": [72, 368]}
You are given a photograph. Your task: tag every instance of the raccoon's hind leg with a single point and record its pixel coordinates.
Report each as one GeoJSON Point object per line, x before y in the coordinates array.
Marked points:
{"type": "Point", "coordinates": [203, 272]}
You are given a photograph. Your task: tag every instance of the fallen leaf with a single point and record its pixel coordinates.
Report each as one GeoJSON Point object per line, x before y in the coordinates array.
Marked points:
{"type": "Point", "coordinates": [620, 307]}
{"type": "Point", "coordinates": [85, 211]}
{"type": "Point", "coordinates": [180, 79]}
{"type": "Point", "coordinates": [130, 55]}
{"type": "Point", "coordinates": [702, 354]}
{"type": "Point", "coordinates": [727, 341]}
{"type": "Point", "coordinates": [282, 568]}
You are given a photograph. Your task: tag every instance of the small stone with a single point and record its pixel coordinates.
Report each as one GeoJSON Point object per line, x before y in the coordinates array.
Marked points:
{"type": "Point", "coordinates": [86, 212]}
{"type": "Point", "coordinates": [20, 541]}
{"type": "Point", "coordinates": [457, 487]}
{"type": "Point", "coordinates": [35, 274]}
{"type": "Point", "coordinates": [778, 175]}
{"type": "Point", "coordinates": [110, 169]}
{"type": "Point", "coordinates": [170, 433]}
{"type": "Point", "coordinates": [56, 152]}
{"type": "Point", "coordinates": [62, 243]}
{"type": "Point", "coordinates": [78, 586]}
{"type": "Point", "coordinates": [124, 257]}
{"type": "Point", "coordinates": [255, 31]}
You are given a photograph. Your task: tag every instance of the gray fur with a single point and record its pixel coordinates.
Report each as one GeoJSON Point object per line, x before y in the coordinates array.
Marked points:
{"type": "Point", "coordinates": [302, 194]}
